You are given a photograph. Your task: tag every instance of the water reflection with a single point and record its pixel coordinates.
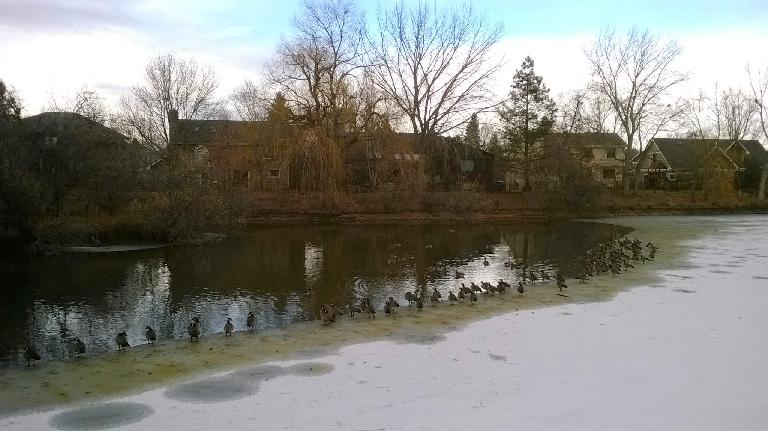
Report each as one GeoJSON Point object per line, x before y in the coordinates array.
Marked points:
{"type": "Point", "coordinates": [49, 301]}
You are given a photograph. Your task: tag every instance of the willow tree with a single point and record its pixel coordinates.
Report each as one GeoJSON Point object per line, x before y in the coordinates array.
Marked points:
{"type": "Point", "coordinates": [315, 69]}
{"type": "Point", "coordinates": [528, 115]}
{"type": "Point", "coordinates": [634, 72]}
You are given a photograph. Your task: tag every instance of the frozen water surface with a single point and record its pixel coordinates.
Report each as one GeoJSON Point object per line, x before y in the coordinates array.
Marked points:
{"type": "Point", "coordinates": [652, 358]}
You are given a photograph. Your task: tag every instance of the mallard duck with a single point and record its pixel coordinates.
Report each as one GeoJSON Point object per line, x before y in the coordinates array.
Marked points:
{"type": "Point", "coordinates": [520, 288]}
{"type": "Point", "coordinates": [150, 334]}
{"type": "Point", "coordinates": [229, 327]}
{"type": "Point", "coordinates": [122, 341]}
{"type": "Point", "coordinates": [78, 347]}
{"type": "Point", "coordinates": [485, 261]}
{"type": "Point", "coordinates": [194, 329]}
{"type": "Point", "coordinates": [452, 298]}
{"type": "Point", "coordinates": [31, 355]}
{"type": "Point", "coordinates": [250, 321]}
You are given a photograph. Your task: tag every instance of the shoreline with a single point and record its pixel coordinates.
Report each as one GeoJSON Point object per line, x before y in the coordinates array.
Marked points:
{"type": "Point", "coordinates": [60, 383]}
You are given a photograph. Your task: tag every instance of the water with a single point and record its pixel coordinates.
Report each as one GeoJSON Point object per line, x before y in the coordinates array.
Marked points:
{"type": "Point", "coordinates": [49, 301]}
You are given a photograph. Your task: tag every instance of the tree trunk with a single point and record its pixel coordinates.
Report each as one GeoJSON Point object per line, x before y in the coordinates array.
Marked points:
{"type": "Point", "coordinates": [763, 178]}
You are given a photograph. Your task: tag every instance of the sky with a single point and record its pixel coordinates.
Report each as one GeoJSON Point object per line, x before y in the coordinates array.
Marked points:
{"type": "Point", "coordinates": [52, 48]}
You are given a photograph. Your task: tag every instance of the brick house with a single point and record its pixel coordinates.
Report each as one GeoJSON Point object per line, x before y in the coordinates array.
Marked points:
{"type": "Point", "coordinates": [240, 153]}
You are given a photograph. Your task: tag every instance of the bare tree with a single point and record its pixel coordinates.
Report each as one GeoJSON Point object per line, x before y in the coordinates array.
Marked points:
{"type": "Point", "coordinates": [85, 102]}
{"type": "Point", "coordinates": [434, 64]}
{"type": "Point", "coordinates": [634, 73]}
{"type": "Point", "coordinates": [251, 102]}
{"type": "Point", "coordinates": [170, 83]}
{"type": "Point", "coordinates": [315, 68]}
{"type": "Point", "coordinates": [759, 86]}
{"type": "Point", "coordinates": [728, 114]}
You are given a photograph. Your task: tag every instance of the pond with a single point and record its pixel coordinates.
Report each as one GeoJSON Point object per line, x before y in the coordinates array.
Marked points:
{"type": "Point", "coordinates": [267, 270]}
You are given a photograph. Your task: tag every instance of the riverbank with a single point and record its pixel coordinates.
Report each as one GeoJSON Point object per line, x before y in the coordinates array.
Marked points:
{"type": "Point", "coordinates": [144, 367]}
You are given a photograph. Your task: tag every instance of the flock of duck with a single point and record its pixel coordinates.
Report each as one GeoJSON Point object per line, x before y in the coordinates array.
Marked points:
{"type": "Point", "coordinates": [611, 257]}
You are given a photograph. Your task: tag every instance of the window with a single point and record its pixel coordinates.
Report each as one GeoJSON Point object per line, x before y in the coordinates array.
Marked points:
{"type": "Point", "coordinates": [610, 153]}
{"type": "Point", "coordinates": [274, 173]}
{"type": "Point", "coordinates": [609, 174]}
{"type": "Point", "coordinates": [407, 156]}
{"type": "Point", "coordinates": [397, 156]}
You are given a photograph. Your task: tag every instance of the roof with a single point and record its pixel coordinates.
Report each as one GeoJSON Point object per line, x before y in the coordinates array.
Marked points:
{"type": "Point", "coordinates": [688, 154]}
{"type": "Point", "coordinates": [205, 132]}
{"type": "Point", "coordinates": [755, 150]}
{"type": "Point", "coordinates": [603, 140]}
{"type": "Point", "coordinates": [60, 123]}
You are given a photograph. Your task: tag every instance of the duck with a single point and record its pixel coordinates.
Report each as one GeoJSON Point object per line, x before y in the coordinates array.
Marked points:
{"type": "Point", "coordinates": [393, 304]}
{"type": "Point", "coordinates": [78, 347]}
{"type": "Point", "coordinates": [369, 309]}
{"type": "Point", "coordinates": [561, 285]}
{"type": "Point", "coordinates": [559, 277]}
{"type": "Point", "coordinates": [501, 287]}
{"type": "Point", "coordinates": [353, 309]}
{"type": "Point", "coordinates": [485, 261]}
{"type": "Point", "coordinates": [533, 277]}
{"type": "Point", "coordinates": [410, 297]}
{"type": "Point", "coordinates": [464, 289]}
{"type": "Point", "coordinates": [250, 321]}
{"type": "Point", "coordinates": [229, 327]}
{"type": "Point", "coordinates": [462, 295]}
{"type": "Point", "coordinates": [472, 298]}
{"type": "Point", "coordinates": [194, 329]}
{"type": "Point", "coordinates": [419, 304]}
{"type": "Point", "coordinates": [520, 288]}
{"type": "Point", "coordinates": [122, 341]}
{"type": "Point", "coordinates": [435, 298]}
{"type": "Point", "coordinates": [150, 334]}
{"type": "Point", "coordinates": [452, 298]}
{"type": "Point", "coordinates": [474, 287]}
{"type": "Point", "coordinates": [326, 316]}
{"type": "Point", "coordinates": [459, 274]}
{"type": "Point", "coordinates": [31, 355]}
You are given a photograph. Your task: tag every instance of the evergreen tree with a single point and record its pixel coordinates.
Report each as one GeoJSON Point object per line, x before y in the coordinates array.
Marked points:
{"type": "Point", "coordinates": [472, 132]}
{"type": "Point", "coordinates": [528, 116]}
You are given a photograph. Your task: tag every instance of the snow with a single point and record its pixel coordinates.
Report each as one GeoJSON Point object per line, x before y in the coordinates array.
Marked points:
{"type": "Point", "coordinates": [683, 351]}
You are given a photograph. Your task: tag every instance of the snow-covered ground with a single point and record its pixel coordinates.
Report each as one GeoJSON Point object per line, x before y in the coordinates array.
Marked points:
{"type": "Point", "coordinates": [685, 352]}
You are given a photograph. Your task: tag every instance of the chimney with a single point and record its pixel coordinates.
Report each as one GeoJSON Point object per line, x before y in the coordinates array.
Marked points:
{"type": "Point", "coordinates": [173, 119]}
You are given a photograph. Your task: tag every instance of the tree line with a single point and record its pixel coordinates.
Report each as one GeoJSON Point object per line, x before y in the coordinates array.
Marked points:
{"type": "Point", "coordinates": [428, 69]}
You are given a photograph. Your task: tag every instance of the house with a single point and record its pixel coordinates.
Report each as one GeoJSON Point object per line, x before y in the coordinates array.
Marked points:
{"type": "Point", "coordinates": [671, 163]}
{"type": "Point", "coordinates": [250, 154]}
{"type": "Point", "coordinates": [391, 160]}
{"type": "Point", "coordinates": [385, 160]}
{"type": "Point", "coordinates": [601, 155]}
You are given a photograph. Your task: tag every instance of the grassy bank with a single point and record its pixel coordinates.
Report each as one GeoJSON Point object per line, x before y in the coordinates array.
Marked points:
{"type": "Point", "coordinates": [143, 367]}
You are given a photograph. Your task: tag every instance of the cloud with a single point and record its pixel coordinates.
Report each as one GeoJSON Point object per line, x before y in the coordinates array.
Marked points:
{"type": "Point", "coordinates": [50, 16]}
